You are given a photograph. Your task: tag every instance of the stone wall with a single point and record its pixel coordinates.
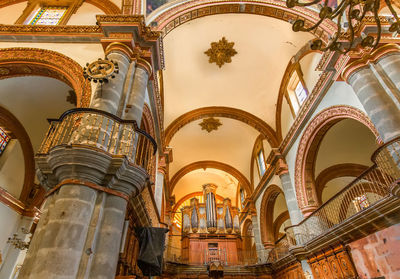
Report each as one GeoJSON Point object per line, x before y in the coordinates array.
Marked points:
{"type": "Point", "coordinates": [378, 254]}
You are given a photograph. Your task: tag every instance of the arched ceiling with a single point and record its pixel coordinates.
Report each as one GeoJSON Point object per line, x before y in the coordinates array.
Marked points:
{"type": "Point", "coordinates": [250, 83]}
{"type": "Point", "coordinates": [193, 181]}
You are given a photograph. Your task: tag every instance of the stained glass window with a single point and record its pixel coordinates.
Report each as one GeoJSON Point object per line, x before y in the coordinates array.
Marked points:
{"type": "Point", "coordinates": [48, 16]}
{"type": "Point", "coordinates": [4, 139]}
{"type": "Point", "coordinates": [361, 202]}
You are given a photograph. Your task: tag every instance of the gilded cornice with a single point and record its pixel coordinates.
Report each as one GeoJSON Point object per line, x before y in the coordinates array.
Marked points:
{"type": "Point", "coordinates": [40, 30]}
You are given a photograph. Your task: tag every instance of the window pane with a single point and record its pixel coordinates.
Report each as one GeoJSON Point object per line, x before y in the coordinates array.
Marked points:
{"type": "Point", "coordinates": [48, 16]}
{"type": "Point", "coordinates": [4, 139]}
{"type": "Point", "coordinates": [301, 93]}
{"type": "Point", "coordinates": [261, 162]}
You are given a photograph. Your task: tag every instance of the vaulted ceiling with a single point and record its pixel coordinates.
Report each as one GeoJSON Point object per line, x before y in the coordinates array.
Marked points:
{"type": "Point", "coordinates": [250, 83]}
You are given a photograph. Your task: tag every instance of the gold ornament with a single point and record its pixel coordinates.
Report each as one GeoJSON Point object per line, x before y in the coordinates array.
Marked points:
{"type": "Point", "coordinates": [221, 52]}
{"type": "Point", "coordinates": [210, 124]}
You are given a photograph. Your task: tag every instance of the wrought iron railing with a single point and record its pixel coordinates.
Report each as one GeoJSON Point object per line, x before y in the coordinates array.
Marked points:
{"type": "Point", "coordinates": [102, 131]}
{"type": "Point", "coordinates": [280, 250]}
{"type": "Point", "coordinates": [370, 187]}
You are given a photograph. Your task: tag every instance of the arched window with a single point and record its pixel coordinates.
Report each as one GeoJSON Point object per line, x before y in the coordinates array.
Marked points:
{"type": "Point", "coordinates": [296, 90]}
{"type": "Point", "coordinates": [4, 139]}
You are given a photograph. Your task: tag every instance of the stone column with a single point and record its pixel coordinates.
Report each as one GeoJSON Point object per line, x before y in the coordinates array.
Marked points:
{"type": "Point", "coordinates": [390, 64]}
{"type": "Point", "coordinates": [134, 107]}
{"type": "Point", "coordinates": [108, 95]}
{"type": "Point", "coordinates": [380, 108]}
{"type": "Point", "coordinates": [290, 196]}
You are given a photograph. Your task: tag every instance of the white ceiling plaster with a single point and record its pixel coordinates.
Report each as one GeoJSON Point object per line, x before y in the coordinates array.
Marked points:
{"type": "Point", "coordinates": [231, 144]}
{"type": "Point", "coordinates": [251, 82]}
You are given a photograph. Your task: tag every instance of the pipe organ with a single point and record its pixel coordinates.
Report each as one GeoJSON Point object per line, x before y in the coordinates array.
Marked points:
{"type": "Point", "coordinates": [210, 230]}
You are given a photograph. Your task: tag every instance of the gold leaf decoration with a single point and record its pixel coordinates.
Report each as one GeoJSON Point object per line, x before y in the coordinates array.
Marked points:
{"type": "Point", "coordinates": [221, 52]}
{"type": "Point", "coordinates": [210, 124]}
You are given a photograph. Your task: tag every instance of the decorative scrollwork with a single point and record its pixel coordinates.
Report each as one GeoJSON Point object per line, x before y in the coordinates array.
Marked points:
{"type": "Point", "coordinates": [101, 70]}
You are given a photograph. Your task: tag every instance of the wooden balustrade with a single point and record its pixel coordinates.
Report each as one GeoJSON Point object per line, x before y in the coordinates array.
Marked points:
{"type": "Point", "coordinates": [105, 132]}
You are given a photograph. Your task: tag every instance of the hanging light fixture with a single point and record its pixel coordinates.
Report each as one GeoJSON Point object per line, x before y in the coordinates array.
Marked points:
{"type": "Point", "coordinates": [347, 15]}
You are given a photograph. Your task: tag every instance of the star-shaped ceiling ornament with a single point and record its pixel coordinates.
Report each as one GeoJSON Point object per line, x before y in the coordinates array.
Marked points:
{"type": "Point", "coordinates": [221, 52]}
{"type": "Point", "coordinates": [210, 124]}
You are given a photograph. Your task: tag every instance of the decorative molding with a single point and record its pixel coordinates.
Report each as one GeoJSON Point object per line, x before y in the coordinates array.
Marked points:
{"type": "Point", "coordinates": [107, 6]}
{"type": "Point", "coordinates": [173, 16]}
{"type": "Point", "coordinates": [267, 213]}
{"type": "Point", "coordinates": [215, 165]}
{"type": "Point", "coordinates": [366, 58]}
{"type": "Point", "coordinates": [33, 61]}
{"type": "Point", "coordinates": [312, 136]}
{"type": "Point", "coordinates": [227, 112]}
{"type": "Point", "coordinates": [210, 124]}
{"type": "Point", "coordinates": [221, 52]}
{"type": "Point", "coordinates": [323, 83]}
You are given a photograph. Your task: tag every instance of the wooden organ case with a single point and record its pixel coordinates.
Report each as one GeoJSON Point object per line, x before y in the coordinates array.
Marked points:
{"type": "Point", "coordinates": [211, 231]}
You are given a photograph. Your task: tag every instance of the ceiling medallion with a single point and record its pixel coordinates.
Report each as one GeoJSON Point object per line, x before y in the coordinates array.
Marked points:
{"type": "Point", "coordinates": [221, 52]}
{"type": "Point", "coordinates": [348, 16]}
{"type": "Point", "coordinates": [210, 124]}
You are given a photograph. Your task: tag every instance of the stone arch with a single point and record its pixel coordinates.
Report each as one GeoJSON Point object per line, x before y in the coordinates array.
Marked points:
{"type": "Point", "coordinates": [278, 223]}
{"type": "Point", "coordinates": [226, 112]}
{"type": "Point", "coordinates": [308, 147]}
{"type": "Point", "coordinates": [215, 165]}
{"type": "Point", "coordinates": [248, 244]}
{"type": "Point", "coordinates": [335, 171]}
{"type": "Point", "coordinates": [20, 61]}
{"type": "Point", "coordinates": [267, 215]}
{"type": "Point", "coordinates": [170, 17]}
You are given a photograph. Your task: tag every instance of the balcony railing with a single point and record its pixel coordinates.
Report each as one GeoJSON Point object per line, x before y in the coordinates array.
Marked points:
{"type": "Point", "coordinates": [370, 187]}
{"type": "Point", "coordinates": [280, 250]}
{"type": "Point", "coordinates": [102, 131]}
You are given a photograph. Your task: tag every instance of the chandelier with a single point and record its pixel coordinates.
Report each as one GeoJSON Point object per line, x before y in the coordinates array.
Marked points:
{"type": "Point", "coordinates": [347, 15]}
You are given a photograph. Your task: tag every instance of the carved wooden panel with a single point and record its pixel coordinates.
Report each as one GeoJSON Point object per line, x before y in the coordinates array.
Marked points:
{"type": "Point", "coordinates": [291, 272]}
{"type": "Point", "coordinates": [334, 263]}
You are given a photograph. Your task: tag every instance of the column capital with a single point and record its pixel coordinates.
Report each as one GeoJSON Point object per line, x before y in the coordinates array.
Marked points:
{"type": "Point", "coordinates": [119, 47]}
{"type": "Point", "coordinates": [362, 60]}
{"type": "Point", "coordinates": [281, 167]}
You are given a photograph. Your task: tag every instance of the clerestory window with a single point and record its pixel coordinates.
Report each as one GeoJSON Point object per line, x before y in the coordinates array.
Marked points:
{"type": "Point", "coordinates": [4, 139]}
{"type": "Point", "coordinates": [47, 16]}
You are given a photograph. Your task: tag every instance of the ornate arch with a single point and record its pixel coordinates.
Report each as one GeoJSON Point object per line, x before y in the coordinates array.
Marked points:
{"type": "Point", "coordinates": [107, 6]}
{"type": "Point", "coordinates": [21, 61]}
{"type": "Point", "coordinates": [267, 215]}
{"type": "Point", "coordinates": [278, 223]}
{"type": "Point", "coordinates": [332, 172]}
{"type": "Point", "coordinates": [308, 148]}
{"type": "Point", "coordinates": [8, 120]}
{"type": "Point", "coordinates": [226, 112]}
{"type": "Point", "coordinates": [169, 17]}
{"type": "Point", "coordinates": [215, 165]}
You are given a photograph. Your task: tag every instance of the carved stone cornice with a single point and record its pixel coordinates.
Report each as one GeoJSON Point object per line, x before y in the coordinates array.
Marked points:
{"type": "Point", "coordinates": [362, 60]}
